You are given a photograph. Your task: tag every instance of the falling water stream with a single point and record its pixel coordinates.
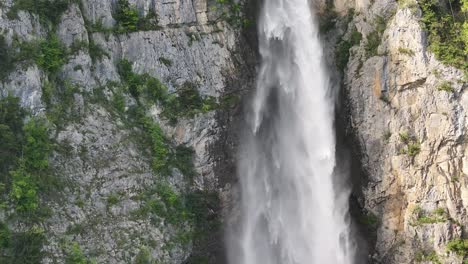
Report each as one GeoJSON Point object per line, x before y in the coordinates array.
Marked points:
{"type": "Point", "coordinates": [293, 208]}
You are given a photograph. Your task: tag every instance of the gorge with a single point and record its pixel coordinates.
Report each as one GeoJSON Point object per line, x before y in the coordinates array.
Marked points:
{"type": "Point", "coordinates": [219, 131]}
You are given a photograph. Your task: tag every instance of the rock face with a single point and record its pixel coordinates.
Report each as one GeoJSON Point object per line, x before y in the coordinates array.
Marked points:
{"type": "Point", "coordinates": [412, 134]}
{"type": "Point", "coordinates": [105, 170]}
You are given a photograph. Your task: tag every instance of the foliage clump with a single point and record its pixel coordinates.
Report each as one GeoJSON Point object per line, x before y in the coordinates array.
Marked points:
{"type": "Point", "coordinates": [412, 145]}
{"type": "Point", "coordinates": [128, 19]}
{"type": "Point", "coordinates": [48, 11]}
{"type": "Point", "coordinates": [458, 246]}
{"type": "Point", "coordinates": [373, 39]}
{"type": "Point", "coordinates": [23, 247]}
{"type": "Point", "coordinates": [439, 215]}
{"type": "Point", "coordinates": [185, 102]}
{"type": "Point", "coordinates": [232, 13]}
{"type": "Point", "coordinates": [6, 59]}
{"type": "Point", "coordinates": [423, 256]}
{"type": "Point", "coordinates": [33, 167]}
{"type": "Point", "coordinates": [447, 29]}
{"type": "Point", "coordinates": [49, 54]}
{"type": "Point", "coordinates": [11, 134]}
{"type": "Point", "coordinates": [343, 49]}
{"type": "Point", "coordinates": [445, 86]}
{"type": "Point", "coordinates": [74, 255]}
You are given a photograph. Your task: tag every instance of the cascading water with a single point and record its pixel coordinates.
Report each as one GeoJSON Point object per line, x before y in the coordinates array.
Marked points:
{"type": "Point", "coordinates": [293, 210]}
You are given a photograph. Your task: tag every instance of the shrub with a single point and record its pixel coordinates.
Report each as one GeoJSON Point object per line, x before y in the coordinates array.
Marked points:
{"type": "Point", "coordinates": [186, 102]}
{"type": "Point", "coordinates": [96, 52]}
{"type": "Point", "coordinates": [47, 10]}
{"type": "Point", "coordinates": [447, 31]}
{"type": "Point", "coordinates": [32, 171]}
{"type": "Point", "coordinates": [24, 190]}
{"type": "Point", "coordinates": [439, 215]}
{"type": "Point", "coordinates": [5, 235]}
{"type": "Point", "coordinates": [404, 137]}
{"type": "Point", "coordinates": [183, 160]}
{"type": "Point", "coordinates": [128, 19]}
{"type": "Point", "coordinates": [406, 51]}
{"type": "Point", "coordinates": [458, 246]}
{"type": "Point", "coordinates": [11, 134]}
{"type": "Point", "coordinates": [143, 256]}
{"type": "Point", "coordinates": [74, 255]}
{"type": "Point", "coordinates": [445, 86]}
{"type": "Point", "coordinates": [342, 51]}
{"type": "Point", "coordinates": [232, 13]}
{"type": "Point", "coordinates": [374, 38]}
{"type": "Point", "coordinates": [165, 61]}
{"type": "Point", "coordinates": [159, 145]}
{"type": "Point", "coordinates": [414, 148]}
{"type": "Point", "coordinates": [372, 44]}
{"type": "Point", "coordinates": [112, 200]}
{"type": "Point", "coordinates": [26, 247]}
{"type": "Point", "coordinates": [370, 220]}
{"type": "Point", "coordinates": [431, 256]}
{"type": "Point", "coordinates": [51, 54]}
{"type": "Point", "coordinates": [6, 59]}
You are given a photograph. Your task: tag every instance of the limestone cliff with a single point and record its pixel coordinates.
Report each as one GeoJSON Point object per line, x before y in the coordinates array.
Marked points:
{"type": "Point", "coordinates": [134, 99]}
{"type": "Point", "coordinates": [407, 112]}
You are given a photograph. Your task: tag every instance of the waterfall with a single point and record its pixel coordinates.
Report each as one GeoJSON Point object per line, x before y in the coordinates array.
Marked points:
{"type": "Point", "coordinates": [293, 206]}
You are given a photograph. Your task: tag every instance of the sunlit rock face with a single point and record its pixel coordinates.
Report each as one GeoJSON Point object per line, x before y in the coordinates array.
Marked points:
{"type": "Point", "coordinates": [411, 132]}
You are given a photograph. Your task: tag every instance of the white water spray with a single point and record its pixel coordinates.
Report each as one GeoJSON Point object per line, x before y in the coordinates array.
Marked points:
{"type": "Point", "coordinates": [293, 207]}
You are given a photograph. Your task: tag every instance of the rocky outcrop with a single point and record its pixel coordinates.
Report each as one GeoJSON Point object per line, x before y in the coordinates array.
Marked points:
{"type": "Point", "coordinates": [408, 113]}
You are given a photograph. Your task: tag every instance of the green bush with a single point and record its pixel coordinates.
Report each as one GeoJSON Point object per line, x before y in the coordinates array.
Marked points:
{"type": "Point", "coordinates": [374, 38]}
{"type": "Point", "coordinates": [25, 247]}
{"type": "Point", "coordinates": [458, 246]}
{"type": "Point", "coordinates": [143, 256]}
{"type": "Point", "coordinates": [445, 86]}
{"type": "Point", "coordinates": [406, 51]}
{"type": "Point", "coordinates": [439, 215]}
{"type": "Point", "coordinates": [96, 52]}
{"type": "Point", "coordinates": [414, 148]}
{"type": "Point", "coordinates": [24, 190]}
{"type": "Point", "coordinates": [74, 255]}
{"type": "Point", "coordinates": [6, 59]}
{"type": "Point", "coordinates": [47, 10]}
{"type": "Point", "coordinates": [5, 236]}
{"type": "Point", "coordinates": [165, 61]}
{"type": "Point", "coordinates": [422, 256]}
{"type": "Point", "coordinates": [447, 31]}
{"type": "Point", "coordinates": [159, 145]}
{"type": "Point", "coordinates": [412, 145]}
{"type": "Point", "coordinates": [51, 54]}
{"type": "Point", "coordinates": [128, 19]}
{"type": "Point", "coordinates": [232, 13]}
{"type": "Point", "coordinates": [32, 171]}
{"type": "Point", "coordinates": [342, 51]}
{"type": "Point", "coordinates": [112, 200]}
{"type": "Point", "coordinates": [186, 102]}
{"type": "Point", "coordinates": [11, 134]}
{"type": "Point", "coordinates": [372, 44]}
{"type": "Point", "coordinates": [182, 159]}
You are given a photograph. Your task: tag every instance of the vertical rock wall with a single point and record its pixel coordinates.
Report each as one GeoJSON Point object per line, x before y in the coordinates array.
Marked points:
{"type": "Point", "coordinates": [99, 156]}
